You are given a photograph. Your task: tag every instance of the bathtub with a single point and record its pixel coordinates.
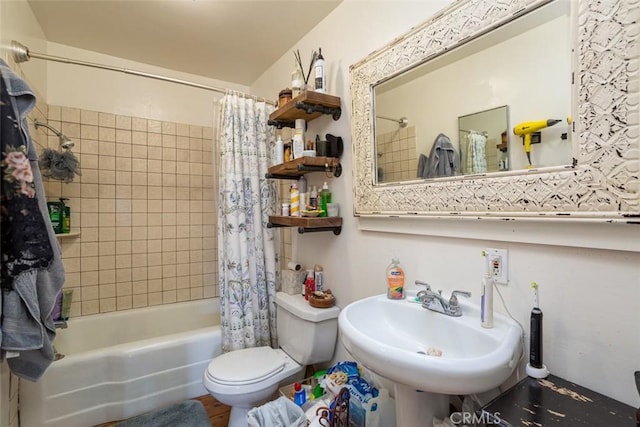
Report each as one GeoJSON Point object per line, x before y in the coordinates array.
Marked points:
{"type": "Point", "coordinates": [121, 364]}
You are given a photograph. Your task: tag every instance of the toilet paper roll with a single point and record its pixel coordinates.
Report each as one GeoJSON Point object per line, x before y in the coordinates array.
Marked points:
{"type": "Point", "coordinates": [293, 266]}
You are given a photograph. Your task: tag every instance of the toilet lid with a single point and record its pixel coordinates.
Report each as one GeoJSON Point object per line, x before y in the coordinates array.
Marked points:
{"type": "Point", "coordinates": [246, 366]}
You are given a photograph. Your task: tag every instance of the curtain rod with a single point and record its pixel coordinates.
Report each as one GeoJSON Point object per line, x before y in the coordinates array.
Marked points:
{"type": "Point", "coordinates": [21, 53]}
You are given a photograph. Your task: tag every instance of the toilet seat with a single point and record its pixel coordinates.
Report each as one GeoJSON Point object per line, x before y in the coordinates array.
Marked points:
{"type": "Point", "coordinates": [246, 366]}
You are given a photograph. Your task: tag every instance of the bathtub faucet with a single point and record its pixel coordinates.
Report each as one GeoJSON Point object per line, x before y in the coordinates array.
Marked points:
{"type": "Point", "coordinates": [60, 324]}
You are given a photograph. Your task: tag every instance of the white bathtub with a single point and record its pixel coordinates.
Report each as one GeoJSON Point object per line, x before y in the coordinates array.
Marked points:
{"type": "Point", "coordinates": [122, 364]}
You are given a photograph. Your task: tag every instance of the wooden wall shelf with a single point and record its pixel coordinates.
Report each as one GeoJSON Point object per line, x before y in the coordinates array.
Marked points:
{"type": "Point", "coordinates": [307, 224]}
{"type": "Point", "coordinates": [308, 106]}
{"type": "Point", "coordinates": [298, 167]}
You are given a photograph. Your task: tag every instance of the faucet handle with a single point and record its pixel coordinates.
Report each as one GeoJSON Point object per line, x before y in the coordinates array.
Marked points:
{"type": "Point", "coordinates": [453, 301]}
{"type": "Point", "coordinates": [426, 285]}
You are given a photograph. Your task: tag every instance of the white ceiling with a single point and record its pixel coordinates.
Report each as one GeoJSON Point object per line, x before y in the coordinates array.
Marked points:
{"type": "Point", "coordinates": [230, 40]}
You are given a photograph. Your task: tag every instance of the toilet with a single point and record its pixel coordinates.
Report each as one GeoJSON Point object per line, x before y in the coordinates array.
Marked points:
{"type": "Point", "coordinates": [247, 378]}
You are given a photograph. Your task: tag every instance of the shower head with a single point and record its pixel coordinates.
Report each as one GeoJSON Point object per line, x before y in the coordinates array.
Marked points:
{"type": "Point", "coordinates": [65, 142]}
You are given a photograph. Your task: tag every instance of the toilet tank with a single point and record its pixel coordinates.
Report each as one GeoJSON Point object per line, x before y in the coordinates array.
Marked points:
{"type": "Point", "coordinates": [306, 333]}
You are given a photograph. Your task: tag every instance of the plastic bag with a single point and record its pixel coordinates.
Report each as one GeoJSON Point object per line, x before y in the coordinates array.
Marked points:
{"type": "Point", "coordinates": [278, 413]}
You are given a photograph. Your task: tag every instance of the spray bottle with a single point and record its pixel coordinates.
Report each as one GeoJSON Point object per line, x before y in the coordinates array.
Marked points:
{"type": "Point", "coordinates": [535, 367]}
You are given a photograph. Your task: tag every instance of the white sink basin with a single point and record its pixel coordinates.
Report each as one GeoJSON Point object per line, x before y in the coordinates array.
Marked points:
{"type": "Point", "coordinates": [391, 337]}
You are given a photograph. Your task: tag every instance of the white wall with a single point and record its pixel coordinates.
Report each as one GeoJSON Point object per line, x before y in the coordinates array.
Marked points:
{"type": "Point", "coordinates": [17, 22]}
{"type": "Point", "coordinates": [126, 94]}
{"type": "Point", "coordinates": [590, 297]}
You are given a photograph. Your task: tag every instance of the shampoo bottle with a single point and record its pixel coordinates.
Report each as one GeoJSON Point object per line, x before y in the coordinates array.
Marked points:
{"type": "Point", "coordinates": [395, 280]}
{"type": "Point", "coordinates": [486, 302]}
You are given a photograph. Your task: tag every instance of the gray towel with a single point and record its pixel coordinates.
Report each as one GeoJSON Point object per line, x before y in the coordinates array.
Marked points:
{"type": "Point", "coordinates": [423, 166]}
{"type": "Point", "coordinates": [443, 158]}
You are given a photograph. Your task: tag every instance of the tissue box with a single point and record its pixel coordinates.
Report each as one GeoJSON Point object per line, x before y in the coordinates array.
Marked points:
{"type": "Point", "coordinates": [292, 281]}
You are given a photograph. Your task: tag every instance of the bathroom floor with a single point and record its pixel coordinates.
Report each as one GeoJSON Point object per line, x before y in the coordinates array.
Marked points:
{"type": "Point", "coordinates": [218, 413]}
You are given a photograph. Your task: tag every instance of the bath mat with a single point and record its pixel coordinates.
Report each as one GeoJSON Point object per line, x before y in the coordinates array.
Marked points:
{"type": "Point", "coordinates": [189, 413]}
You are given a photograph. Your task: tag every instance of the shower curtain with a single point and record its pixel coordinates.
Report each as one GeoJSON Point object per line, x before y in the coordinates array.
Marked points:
{"type": "Point", "coordinates": [247, 259]}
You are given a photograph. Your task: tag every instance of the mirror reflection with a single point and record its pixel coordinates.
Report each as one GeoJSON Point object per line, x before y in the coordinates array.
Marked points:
{"type": "Point", "coordinates": [483, 140]}
{"type": "Point", "coordinates": [421, 114]}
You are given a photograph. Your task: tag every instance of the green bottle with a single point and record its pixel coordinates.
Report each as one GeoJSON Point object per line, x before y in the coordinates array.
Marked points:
{"type": "Point", "coordinates": [65, 217]}
{"type": "Point", "coordinates": [55, 215]}
{"type": "Point", "coordinates": [325, 197]}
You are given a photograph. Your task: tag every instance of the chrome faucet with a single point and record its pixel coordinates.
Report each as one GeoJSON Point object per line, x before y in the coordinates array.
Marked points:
{"type": "Point", "coordinates": [434, 301]}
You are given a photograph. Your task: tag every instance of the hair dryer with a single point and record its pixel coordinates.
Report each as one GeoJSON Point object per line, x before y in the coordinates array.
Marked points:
{"type": "Point", "coordinates": [525, 129]}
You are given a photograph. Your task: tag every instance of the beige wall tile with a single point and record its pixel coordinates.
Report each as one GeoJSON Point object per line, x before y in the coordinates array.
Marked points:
{"type": "Point", "coordinates": [140, 300]}
{"type": "Point", "coordinates": [139, 205]}
{"type": "Point", "coordinates": [89, 117]}
{"type": "Point", "coordinates": [139, 124]}
{"type": "Point", "coordinates": [70, 115]}
{"type": "Point", "coordinates": [107, 120]}
{"type": "Point", "coordinates": [123, 122]}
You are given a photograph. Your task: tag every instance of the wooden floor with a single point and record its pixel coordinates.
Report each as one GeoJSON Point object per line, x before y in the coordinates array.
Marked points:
{"type": "Point", "coordinates": [218, 413]}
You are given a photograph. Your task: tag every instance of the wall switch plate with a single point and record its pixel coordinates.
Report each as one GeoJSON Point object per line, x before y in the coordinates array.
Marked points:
{"type": "Point", "coordinates": [498, 264]}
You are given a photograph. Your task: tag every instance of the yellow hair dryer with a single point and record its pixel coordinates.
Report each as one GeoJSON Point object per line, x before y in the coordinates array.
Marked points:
{"type": "Point", "coordinates": [525, 129]}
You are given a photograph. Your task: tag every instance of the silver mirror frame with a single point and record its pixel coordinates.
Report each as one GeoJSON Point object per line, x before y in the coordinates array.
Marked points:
{"type": "Point", "coordinates": [603, 184]}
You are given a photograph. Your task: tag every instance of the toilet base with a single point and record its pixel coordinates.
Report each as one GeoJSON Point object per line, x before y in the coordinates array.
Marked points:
{"type": "Point", "coordinates": [238, 416]}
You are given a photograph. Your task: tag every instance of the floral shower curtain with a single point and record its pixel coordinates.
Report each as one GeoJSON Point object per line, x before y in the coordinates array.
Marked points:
{"type": "Point", "coordinates": [247, 260]}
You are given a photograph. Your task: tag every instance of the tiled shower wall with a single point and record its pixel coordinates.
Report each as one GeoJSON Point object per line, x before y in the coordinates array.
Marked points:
{"type": "Point", "coordinates": [144, 207]}
{"type": "Point", "coordinates": [397, 158]}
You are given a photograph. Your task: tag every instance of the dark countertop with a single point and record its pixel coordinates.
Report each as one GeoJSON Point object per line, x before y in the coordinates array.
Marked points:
{"type": "Point", "coordinates": [553, 401]}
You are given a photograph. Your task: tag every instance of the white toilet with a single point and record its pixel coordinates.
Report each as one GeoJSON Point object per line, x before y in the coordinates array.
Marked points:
{"type": "Point", "coordinates": [247, 378]}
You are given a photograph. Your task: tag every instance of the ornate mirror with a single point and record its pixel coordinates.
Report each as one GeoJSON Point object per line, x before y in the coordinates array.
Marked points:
{"type": "Point", "coordinates": [583, 111]}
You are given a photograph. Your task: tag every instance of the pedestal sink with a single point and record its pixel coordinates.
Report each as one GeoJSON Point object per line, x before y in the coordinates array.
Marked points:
{"type": "Point", "coordinates": [400, 340]}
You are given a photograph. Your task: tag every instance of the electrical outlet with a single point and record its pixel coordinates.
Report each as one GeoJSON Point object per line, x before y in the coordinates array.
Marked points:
{"type": "Point", "coordinates": [498, 264]}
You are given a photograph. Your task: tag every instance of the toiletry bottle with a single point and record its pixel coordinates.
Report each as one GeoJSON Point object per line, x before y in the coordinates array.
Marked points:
{"type": "Point", "coordinates": [302, 187]}
{"type": "Point", "coordinates": [299, 394]}
{"type": "Point", "coordinates": [320, 78]}
{"type": "Point", "coordinates": [318, 273]}
{"type": "Point", "coordinates": [325, 197]}
{"type": "Point", "coordinates": [486, 302]}
{"type": "Point", "coordinates": [55, 215]}
{"type": "Point", "coordinates": [395, 280]}
{"type": "Point", "coordinates": [298, 146]}
{"type": "Point", "coordinates": [278, 155]}
{"type": "Point", "coordinates": [65, 215]}
{"type": "Point", "coordinates": [313, 198]}
{"type": "Point", "coordinates": [287, 152]}
{"type": "Point", "coordinates": [294, 200]}
{"type": "Point", "coordinates": [309, 284]}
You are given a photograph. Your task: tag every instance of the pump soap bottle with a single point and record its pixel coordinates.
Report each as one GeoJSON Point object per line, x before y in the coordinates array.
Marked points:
{"type": "Point", "coordinates": [395, 280]}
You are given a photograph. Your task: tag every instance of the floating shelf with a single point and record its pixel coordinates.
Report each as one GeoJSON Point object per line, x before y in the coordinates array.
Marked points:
{"type": "Point", "coordinates": [68, 235]}
{"type": "Point", "coordinates": [308, 106]}
{"type": "Point", "coordinates": [298, 167]}
{"type": "Point", "coordinates": [307, 224]}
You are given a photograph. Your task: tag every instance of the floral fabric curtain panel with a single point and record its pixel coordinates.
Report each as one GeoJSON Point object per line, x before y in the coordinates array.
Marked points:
{"type": "Point", "coordinates": [247, 261]}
